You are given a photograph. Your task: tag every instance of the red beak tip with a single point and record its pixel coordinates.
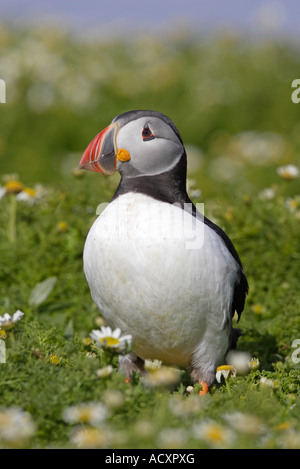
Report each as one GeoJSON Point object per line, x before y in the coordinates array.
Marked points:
{"type": "Point", "coordinates": [91, 158]}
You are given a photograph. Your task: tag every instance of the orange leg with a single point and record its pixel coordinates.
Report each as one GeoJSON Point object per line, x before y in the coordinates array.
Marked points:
{"type": "Point", "coordinates": [205, 388]}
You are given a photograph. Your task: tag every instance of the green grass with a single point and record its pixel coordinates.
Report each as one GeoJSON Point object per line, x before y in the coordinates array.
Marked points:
{"type": "Point", "coordinates": [46, 239]}
{"type": "Point", "coordinates": [266, 236]}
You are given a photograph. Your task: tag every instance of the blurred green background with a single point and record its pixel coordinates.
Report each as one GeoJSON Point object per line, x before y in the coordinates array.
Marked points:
{"type": "Point", "coordinates": [229, 95]}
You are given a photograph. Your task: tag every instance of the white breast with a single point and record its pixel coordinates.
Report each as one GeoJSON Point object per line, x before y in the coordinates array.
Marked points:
{"type": "Point", "coordinates": [161, 275]}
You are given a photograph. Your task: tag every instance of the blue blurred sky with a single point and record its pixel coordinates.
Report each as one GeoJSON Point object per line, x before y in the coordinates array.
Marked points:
{"type": "Point", "coordinates": [126, 17]}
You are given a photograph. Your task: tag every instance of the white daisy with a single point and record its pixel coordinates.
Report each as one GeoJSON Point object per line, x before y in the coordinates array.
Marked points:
{"type": "Point", "coordinates": [245, 423]}
{"type": "Point", "coordinates": [12, 186]}
{"type": "Point", "coordinates": [2, 192]}
{"type": "Point", "coordinates": [267, 194]}
{"type": "Point", "coordinates": [151, 365]}
{"type": "Point", "coordinates": [92, 413]}
{"type": "Point", "coordinates": [292, 203]}
{"type": "Point", "coordinates": [112, 398]}
{"type": "Point", "coordinates": [172, 438]}
{"type": "Point", "coordinates": [30, 195]}
{"type": "Point", "coordinates": [162, 377]}
{"type": "Point", "coordinates": [290, 439]}
{"type": "Point", "coordinates": [254, 363]}
{"type": "Point", "coordinates": [214, 434]}
{"type": "Point", "coordinates": [112, 340]}
{"type": "Point", "coordinates": [90, 438]}
{"type": "Point", "coordinates": [7, 321]}
{"type": "Point", "coordinates": [104, 372]}
{"type": "Point", "coordinates": [15, 425]}
{"type": "Point", "coordinates": [225, 371]}
{"type": "Point", "coordinates": [27, 195]}
{"type": "Point", "coordinates": [269, 383]}
{"type": "Point", "coordinates": [288, 172]}
{"type": "Point", "coordinates": [183, 407]}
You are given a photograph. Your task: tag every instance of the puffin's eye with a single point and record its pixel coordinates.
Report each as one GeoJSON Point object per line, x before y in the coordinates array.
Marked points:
{"type": "Point", "coordinates": [147, 133]}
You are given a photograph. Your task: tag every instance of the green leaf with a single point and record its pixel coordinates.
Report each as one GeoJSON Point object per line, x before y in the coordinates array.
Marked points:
{"type": "Point", "coordinates": [69, 330]}
{"type": "Point", "coordinates": [41, 291]}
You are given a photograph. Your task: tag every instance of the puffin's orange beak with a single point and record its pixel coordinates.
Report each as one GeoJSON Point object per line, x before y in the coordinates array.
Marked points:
{"type": "Point", "coordinates": [100, 155]}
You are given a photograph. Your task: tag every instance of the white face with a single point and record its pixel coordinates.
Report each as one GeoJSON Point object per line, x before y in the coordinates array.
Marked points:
{"type": "Point", "coordinates": [153, 146]}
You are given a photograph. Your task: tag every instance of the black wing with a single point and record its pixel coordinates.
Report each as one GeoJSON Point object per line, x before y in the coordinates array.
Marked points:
{"type": "Point", "coordinates": [241, 287]}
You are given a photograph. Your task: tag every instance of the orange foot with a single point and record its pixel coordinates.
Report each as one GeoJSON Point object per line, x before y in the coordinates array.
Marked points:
{"type": "Point", "coordinates": [204, 389]}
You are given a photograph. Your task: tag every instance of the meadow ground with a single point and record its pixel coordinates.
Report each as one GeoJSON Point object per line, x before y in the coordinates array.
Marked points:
{"type": "Point", "coordinates": [231, 100]}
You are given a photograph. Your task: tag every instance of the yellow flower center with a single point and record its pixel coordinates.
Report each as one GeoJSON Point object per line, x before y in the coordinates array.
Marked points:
{"type": "Point", "coordinates": [215, 434]}
{"type": "Point", "coordinates": [85, 415]}
{"type": "Point", "coordinates": [229, 214]}
{"type": "Point", "coordinates": [109, 341]}
{"type": "Point", "coordinates": [257, 309]}
{"type": "Point", "coordinates": [62, 226]}
{"type": "Point", "coordinates": [90, 438]}
{"type": "Point", "coordinates": [54, 359]}
{"type": "Point", "coordinates": [29, 191]}
{"type": "Point", "coordinates": [13, 187]}
{"type": "Point", "coordinates": [225, 368]}
{"type": "Point", "coordinates": [286, 174]}
{"type": "Point", "coordinates": [283, 426]}
{"type": "Point", "coordinates": [86, 341]}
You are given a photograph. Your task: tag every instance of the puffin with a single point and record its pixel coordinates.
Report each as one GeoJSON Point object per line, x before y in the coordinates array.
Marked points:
{"type": "Point", "coordinates": [157, 268]}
